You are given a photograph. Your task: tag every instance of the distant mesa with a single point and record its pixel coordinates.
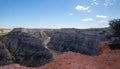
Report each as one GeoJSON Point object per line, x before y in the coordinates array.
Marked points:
{"type": "Point", "coordinates": [19, 30]}
{"type": "Point", "coordinates": [3, 30]}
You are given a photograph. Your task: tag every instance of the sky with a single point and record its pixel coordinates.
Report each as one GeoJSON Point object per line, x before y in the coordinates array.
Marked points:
{"type": "Point", "coordinates": [58, 13]}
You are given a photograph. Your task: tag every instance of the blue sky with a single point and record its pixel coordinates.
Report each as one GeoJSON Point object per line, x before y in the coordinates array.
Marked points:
{"type": "Point", "coordinates": [58, 13]}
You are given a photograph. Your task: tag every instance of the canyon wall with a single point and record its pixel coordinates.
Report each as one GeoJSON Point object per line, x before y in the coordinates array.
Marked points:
{"type": "Point", "coordinates": [25, 49]}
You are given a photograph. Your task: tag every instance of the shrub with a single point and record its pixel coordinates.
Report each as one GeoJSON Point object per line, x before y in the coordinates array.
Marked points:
{"type": "Point", "coordinates": [114, 46]}
{"type": "Point", "coordinates": [102, 32]}
{"type": "Point", "coordinates": [115, 25]}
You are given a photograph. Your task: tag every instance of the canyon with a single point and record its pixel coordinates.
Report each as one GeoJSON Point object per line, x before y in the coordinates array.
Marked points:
{"type": "Point", "coordinates": [57, 49]}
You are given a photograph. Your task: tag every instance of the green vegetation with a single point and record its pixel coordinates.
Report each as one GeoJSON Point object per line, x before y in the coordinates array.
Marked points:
{"type": "Point", "coordinates": [102, 32]}
{"type": "Point", "coordinates": [55, 53]}
{"type": "Point", "coordinates": [115, 25]}
{"type": "Point", "coordinates": [2, 35]}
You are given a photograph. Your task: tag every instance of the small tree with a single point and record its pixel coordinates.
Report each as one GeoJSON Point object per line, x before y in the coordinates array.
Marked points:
{"type": "Point", "coordinates": [115, 25]}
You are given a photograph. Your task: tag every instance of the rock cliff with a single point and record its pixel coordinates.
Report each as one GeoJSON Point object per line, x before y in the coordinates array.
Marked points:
{"type": "Point", "coordinates": [84, 41]}
{"type": "Point", "coordinates": [76, 40]}
{"type": "Point", "coordinates": [5, 56]}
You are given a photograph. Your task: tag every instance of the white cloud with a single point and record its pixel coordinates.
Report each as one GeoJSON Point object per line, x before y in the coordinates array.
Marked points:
{"type": "Point", "coordinates": [101, 16]}
{"type": "Point", "coordinates": [103, 21]}
{"type": "Point", "coordinates": [87, 19]}
{"type": "Point", "coordinates": [71, 14]}
{"type": "Point", "coordinates": [82, 8]}
{"type": "Point", "coordinates": [89, 11]}
{"type": "Point", "coordinates": [108, 2]}
{"type": "Point", "coordinates": [95, 2]}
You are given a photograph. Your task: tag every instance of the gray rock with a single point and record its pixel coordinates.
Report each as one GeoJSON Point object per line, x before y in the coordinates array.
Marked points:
{"type": "Point", "coordinates": [5, 56]}
{"type": "Point", "coordinates": [76, 40]}
{"type": "Point", "coordinates": [26, 49]}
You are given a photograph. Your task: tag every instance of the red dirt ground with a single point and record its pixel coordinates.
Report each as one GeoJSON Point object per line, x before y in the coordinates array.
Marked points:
{"type": "Point", "coordinates": [106, 59]}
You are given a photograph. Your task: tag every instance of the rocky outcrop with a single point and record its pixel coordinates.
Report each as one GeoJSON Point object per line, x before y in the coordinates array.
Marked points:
{"type": "Point", "coordinates": [5, 56]}
{"type": "Point", "coordinates": [26, 49]}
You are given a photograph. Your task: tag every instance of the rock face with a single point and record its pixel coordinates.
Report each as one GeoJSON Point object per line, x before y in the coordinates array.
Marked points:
{"type": "Point", "coordinates": [5, 56]}
{"type": "Point", "coordinates": [82, 41]}
{"type": "Point", "coordinates": [26, 49]}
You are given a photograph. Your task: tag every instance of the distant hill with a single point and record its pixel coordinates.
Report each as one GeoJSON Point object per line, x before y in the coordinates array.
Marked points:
{"type": "Point", "coordinates": [4, 30]}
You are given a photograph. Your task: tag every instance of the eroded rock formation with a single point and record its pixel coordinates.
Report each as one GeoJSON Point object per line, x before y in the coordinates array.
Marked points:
{"type": "Point", "coordinates": [76, 40]}
{"type": "Point", "coordinates": [5, 56]}
{"type": "Point", "coordinates": [26, 49]}
{"type": "Point", "coordinates": [84, 41]}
